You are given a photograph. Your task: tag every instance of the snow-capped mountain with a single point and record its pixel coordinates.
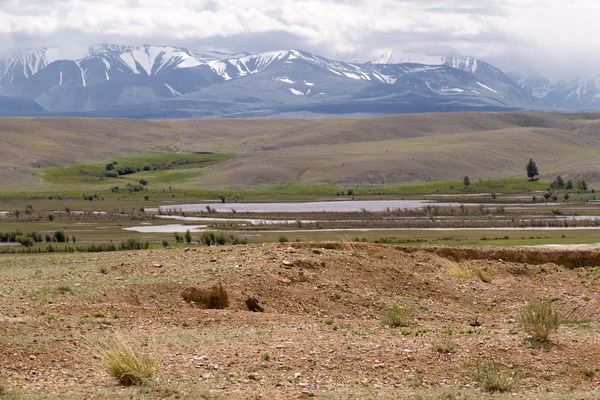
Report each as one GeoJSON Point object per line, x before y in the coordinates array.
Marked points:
{"type": "Point", "coordinates": [166, 81]}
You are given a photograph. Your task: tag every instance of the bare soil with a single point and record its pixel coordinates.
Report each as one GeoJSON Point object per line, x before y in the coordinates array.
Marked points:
{"type": "Point", "coordinates": [320, 335]}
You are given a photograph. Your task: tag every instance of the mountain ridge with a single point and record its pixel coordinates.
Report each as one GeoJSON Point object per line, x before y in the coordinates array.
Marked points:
{"type": "Point", "coordinates": [118, 79]}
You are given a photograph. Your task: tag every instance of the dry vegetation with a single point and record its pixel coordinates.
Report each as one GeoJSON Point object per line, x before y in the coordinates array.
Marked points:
{"type": "Point", "coordinates": [320, 333]}
{"type": "Point", "coordinates": [387, 149]}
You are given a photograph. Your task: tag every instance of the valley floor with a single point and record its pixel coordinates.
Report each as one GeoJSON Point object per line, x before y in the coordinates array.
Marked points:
{"type": "Point", "coordinates": [320, 335]}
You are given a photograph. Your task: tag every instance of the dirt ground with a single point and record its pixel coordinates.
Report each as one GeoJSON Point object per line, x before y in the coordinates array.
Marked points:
{"type": "Point", "coordinates": [320, 335]}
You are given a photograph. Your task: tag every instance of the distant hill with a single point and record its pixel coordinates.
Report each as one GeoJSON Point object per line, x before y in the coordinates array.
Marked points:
{"type": "Point", "coordinates": [362, 151]}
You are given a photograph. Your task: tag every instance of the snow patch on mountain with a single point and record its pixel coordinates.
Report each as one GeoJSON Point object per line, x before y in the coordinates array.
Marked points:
{"type": "Point", "coordinates": [486, 87]}
{"type": "Point", "coordinates": [399, 56]}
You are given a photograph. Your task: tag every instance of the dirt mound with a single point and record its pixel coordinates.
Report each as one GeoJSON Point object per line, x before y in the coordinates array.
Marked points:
{"type": "Point", "coordinates": [532, 256]}
{"type": "Point", "coordinates": [214, 298]}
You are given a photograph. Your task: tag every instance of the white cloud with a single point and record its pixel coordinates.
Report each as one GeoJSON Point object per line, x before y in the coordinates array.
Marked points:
{"type": "Point", "coordinates": [551, 36]}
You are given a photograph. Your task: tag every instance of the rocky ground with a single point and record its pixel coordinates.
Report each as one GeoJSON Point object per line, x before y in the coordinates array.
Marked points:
{"type": "Point", "coordinates": [320, 335]}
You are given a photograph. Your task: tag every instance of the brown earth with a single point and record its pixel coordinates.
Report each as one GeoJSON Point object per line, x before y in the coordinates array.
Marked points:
{"type": "Point", "coordinates": [320, 335]}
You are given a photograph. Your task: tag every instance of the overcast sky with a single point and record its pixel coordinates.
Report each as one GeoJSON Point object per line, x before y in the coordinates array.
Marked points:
{"type": "Point", "coordinates": [551, 37]}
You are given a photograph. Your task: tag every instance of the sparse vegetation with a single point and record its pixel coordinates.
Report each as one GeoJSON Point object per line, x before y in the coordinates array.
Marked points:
{"type": "Point", "coordinates": [397, 316]}
{"type": "Point", "coordinates": [492, 377]}
{"type": "Point", "coordinates": [128, 365]}
{"type": "Point", "coordinates": [539, 319]}
{"type": "Point", "coordinates": [445, 345]}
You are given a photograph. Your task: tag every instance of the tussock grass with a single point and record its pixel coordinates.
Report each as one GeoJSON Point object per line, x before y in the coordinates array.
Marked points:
{"type": "Point", "coordinates": [127, 365]}
{"type": "Point", "coordinates": [539, 319]}
{"type": "Point", "coordinates": [397, 316]}
{"type": "Point", "coordinates": [492, 378]}
{"type": "Point", "coordinates": [460, 271]}
{"type": "Point", "coordinates": [446, 345]}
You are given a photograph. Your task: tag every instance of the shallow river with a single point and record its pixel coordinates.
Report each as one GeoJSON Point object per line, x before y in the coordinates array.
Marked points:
{"type": "Point", "coordinates": [318, 206]}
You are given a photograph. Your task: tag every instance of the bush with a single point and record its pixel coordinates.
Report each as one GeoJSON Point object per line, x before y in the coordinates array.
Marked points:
{"type": "Point", "coordinates": [188, 236]}
{"type": "Point", "coordinates": [178, 237]}
{"type": "Point", "coordinates": [283, 239]}
{"type": "Point", "coordinates": [25, 241]}
{"type": "Point", "coordinates": [396, 316]}
{"type": "Point", "coordinates": [134, 244]}
{"type": "Point", "coordinates": [491, 378]}
{"type": "Point", "coordinates": [539, 319]}
{"type": "Point", "coordinates": [127, 365]}
{"type": "Point", "coordinates": [215, 297]}
{"type": "Point", "coordinates": [59, 236]}
{"type": "Point", "coordinates": [446, 345]}
{"type": "Point", "coordinates": [165, 243]}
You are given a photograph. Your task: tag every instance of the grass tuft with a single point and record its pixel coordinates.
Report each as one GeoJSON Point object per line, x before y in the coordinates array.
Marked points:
{"type": "Point", "coordinates": [397, 316]}
{"type": "Point", "coordinates": [446, 345]}
{"type": "Point", "coordinates": [127, 365]}
{"type": "Point", "coordinates": [539, 319]}
{"type": "Point", "coordinates": [492, 378]}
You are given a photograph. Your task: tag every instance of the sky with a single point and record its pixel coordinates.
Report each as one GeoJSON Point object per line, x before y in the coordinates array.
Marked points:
{"type": "Point", "coordinates": [554, 38]}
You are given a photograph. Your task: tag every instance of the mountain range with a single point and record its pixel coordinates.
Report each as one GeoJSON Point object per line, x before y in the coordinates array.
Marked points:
{"type": "Point", "coordinates": [146, 81]}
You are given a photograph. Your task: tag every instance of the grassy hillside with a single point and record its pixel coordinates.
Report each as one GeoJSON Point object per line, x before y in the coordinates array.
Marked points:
{"type": "Point", "coordinates": [386, 150]}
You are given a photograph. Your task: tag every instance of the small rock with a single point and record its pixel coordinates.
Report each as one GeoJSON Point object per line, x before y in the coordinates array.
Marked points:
{"type": "Point", "coordinates": [287, 264]}
{"type": "Point", "coordinates": [157, 265]}
{"type": "Point", "coordinates": [186, 249]}
{"type": "Point", "coordinates": [213, 260]}
{"type": "Point", "coordinates": [32, 357]}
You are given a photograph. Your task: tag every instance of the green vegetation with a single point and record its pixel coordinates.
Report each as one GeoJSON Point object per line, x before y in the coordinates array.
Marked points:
{"type": "Point", "coordinates": [492, 378]}
{"type": "Point", "coordinates": [140, 166]}
{"type": "Point", "coordinates": [539, 319]}
{"type": "Point", "coordinates": [532, 169]}
{"type": "Point", "coordinates": [397, 316]}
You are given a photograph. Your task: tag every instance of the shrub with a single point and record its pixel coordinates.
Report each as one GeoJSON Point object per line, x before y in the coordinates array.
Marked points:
{"type": "Point", "coordinates": [127, 365]}
{"type": "Point", "coordinates": [165, 243]}
{"type": "Point", "coordinates": [143, 182]}
{"type": "Point", "coordinates": [134, 244]}
{"type": "Point", "coordinates": [283, 239]}
{"type": "Point", "coordinates": [446, 345]}
{"type": "Point", "coordinates": [178, 237]}
{"type": "Point", "coordinates": [25, 241]}
{"type": "Point", "coordinates": [491, 378]}
{"type": "Point", "coordinates": [215, 297]}
{"type": "Point", "coordinates": [396, 316]}
{"type": "Point", "coordinates": [59, 236]}
{"type": "Point", "coordinates": [539, 319]}
{"type": "Point", "coordinates": [188, 236]}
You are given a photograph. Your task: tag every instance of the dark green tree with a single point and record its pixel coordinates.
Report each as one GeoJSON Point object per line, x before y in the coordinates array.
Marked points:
{"type": "Point", "coordinates": [466, 181]}
{"type": "Point", "coordinates": [569, 185]}
{"type": "Point", "coordinates": [532, 169]}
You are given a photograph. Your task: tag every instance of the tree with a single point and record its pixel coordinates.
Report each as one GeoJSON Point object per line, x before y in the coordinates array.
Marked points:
{"type": "Point", "coordinates": [532, 169]}
{"type": "Point", "coordinates": [466, 181]}
{"type": "Point", "coordinates": [569, 185]}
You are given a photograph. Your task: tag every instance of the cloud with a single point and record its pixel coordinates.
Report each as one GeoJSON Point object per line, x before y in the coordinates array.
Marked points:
{"type": "Point", "coordinates": [552, 37]}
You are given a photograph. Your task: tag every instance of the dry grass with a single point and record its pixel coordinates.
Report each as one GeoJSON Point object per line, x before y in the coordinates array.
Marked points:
{"type": "Point", "coordinates": [492, 377]}
{"type": "Point", "coordinates": [460, 271]}
{"type": "Point", "coordinates": [397, 315]}
{"type": "Point", "coordinates": [539, 319]}
{"type": "Point", "coordinates": [445, 345]}
{"type": "Point", "coordinates": [390, 149]}
{"type": "Point", "coordinates": [126, 364]}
